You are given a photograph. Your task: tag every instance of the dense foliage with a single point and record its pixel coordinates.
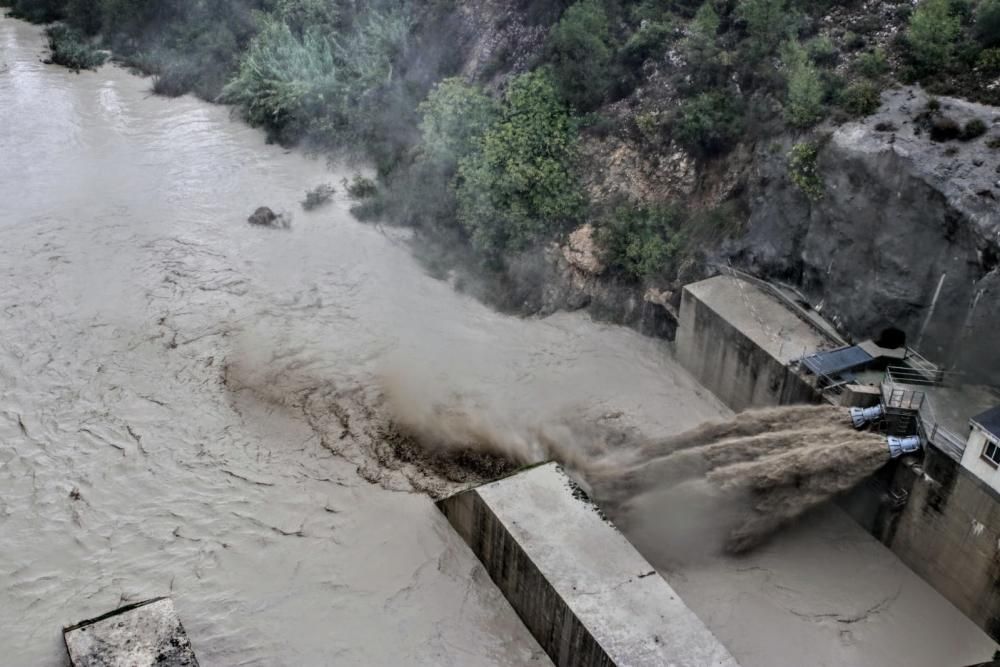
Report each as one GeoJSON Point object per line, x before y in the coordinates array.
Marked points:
{"type": "Point", "coordinates": [492, 163]}
{"type": "Point", "coordinates": [520, 182]}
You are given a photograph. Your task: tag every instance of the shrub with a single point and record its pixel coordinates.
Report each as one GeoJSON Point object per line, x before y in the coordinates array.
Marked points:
{"type": "Point", "coordinates": [944, 128]}
{"type": "Point", "coordinates": [453, 119]}
{"type": "Point", "coordinates": [580, 54]}
{"type": "Point", "coordinates": [300, 15]}
{"type": "Point", "coordinates": [931, 36]}
{"type": "Point", "coordinates": [645, 42]}
{"type": "Point", "coordinates": [861, 98]}
{"type": "Point", "coordinates": [872, 64]}
{"type": "Point", "coordinates": [520, 184]}
{"type": "Point", "coordinates": [768, 23]}
{"type": "Point", "coordinates": [803, 171]}
{"type": "Point", "coordinates": [640, 242]}
{"type": "Point", "coordinates": [822, 51]}
{"type": "Point", "coordinates": [987, 26]}
{"type": "Point", "coordinates": [804, 105]}
{"type": "Point", "coordinates": [989, 61]}
{"type": "Point", "coordinates": [36, 11]}
{"type": "Point", "coordinates": [973, 129]}
{"type": "Point", "coordinates": [709, 123]}
{"type": "Point", "coordinates": [317, 85]}
{"type": "Point", "coordinates": [71, 49]}
{"type": "Point", "coordinates": [702, 49]}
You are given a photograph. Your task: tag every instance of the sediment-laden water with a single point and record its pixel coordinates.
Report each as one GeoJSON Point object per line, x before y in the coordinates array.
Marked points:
{"type": "Point", "coordinates": [193, 406]}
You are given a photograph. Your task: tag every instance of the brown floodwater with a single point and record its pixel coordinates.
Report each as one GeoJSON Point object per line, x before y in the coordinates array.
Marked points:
{"type": "Point", "coordinates": [195, 407]}
{"type": "Point", "coordinates": [166, 371]}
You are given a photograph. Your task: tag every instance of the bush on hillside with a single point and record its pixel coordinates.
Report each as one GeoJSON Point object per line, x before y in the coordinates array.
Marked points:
{"type": "Point", "coordinates": [804, 103]}
{"type": "Point", "coordinates": [931, 36]}
{"type": "Point", "coordinates": [769, 23]}
{"type": "Point", "coordinates": [872, 64]}
{"type": "Point", "coordinates": [861, 98]}
{"type": "Point", "coordinates": [709, 123]}
{"type": "Point", "coordinates": [520, 185]}
{"type": "Point", "coordinates": [580, 54]}
{"type": "Point", "coordinates": [803, 171]}
{"type": "Point", "coordinates": [640, 242]}
{"type": "Point", "coordinates": [453, 119]}
{"type": "Point", "coordinates": [987, 27]}
{"type": "Point", "coordinates": [973, 129]}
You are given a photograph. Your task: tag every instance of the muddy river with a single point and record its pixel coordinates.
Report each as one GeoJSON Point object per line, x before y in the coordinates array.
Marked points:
{"type": "Point", "coordinates": [191, 406]}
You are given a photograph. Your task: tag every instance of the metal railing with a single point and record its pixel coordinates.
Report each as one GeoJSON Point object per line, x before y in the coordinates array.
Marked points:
{"type": "Point", "coordinates": [930, 429]}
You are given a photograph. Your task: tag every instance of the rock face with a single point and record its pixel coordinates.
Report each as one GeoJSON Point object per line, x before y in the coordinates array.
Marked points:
{"type": "Point", "coordinates": [619, 168]}
{"type": "Point", "coordinates": [582, 253]}
{"type": "Point", "coordinates": [905, 235]}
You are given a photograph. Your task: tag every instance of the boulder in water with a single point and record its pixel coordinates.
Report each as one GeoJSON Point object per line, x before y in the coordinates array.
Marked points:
{"type": "Point", "coordinates": [265, 217]}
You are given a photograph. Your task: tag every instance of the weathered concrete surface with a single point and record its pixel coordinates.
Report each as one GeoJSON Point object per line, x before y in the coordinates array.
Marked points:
{"type": "Point", "coordinates": [824, 593]}
{"type": "Point", "coordinates": [947, 531]}
{"type": "Point", "coordinates": [580, 587]}
{"type": "Point", "coordinates": [145, 634]}
{"type": "Point", "coordinates": [737, 341]}
{"type": "Point", "coordinates": [902, 219]}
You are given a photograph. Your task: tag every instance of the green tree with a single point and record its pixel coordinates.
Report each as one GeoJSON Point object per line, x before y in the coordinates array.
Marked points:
{"type": "Point", "coordinates": [521, 183]}
{"type": "Point", "coordinates": [709, 123]}
{"type": "Point", "coordinates": [640, 242]}
{"type": "Point", "coordinates": [931, 36]}
{"type": "Point", "coordinates": [987, 27]}
{"type": "Point", "coordinates": [580, 54]}
{"type": "Point", "coordinates": [804, 105]}
{"type": "Point", "coordinates": [768, 23]}
{"type": "Point", "coordinates": [702, 48]}
{"type": "Point", "coordinates": [453, 119]}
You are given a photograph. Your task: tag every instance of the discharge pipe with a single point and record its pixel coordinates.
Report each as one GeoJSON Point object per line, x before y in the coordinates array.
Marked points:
{"type": "Point", "coordinates": [900, 446]}
{"type": "Point", "coordinates": [861, 416]}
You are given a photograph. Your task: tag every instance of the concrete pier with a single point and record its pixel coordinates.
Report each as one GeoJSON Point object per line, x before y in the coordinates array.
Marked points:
{"type": "Point", "coordinates": [578, 585]}
{"type": "Point", "coordinates": [737, 341]}
{"type": "Point", "coordinates": [145, 634]}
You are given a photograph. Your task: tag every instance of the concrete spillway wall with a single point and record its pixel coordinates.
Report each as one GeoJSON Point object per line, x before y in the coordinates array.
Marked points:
{"type": "Point", "coordinates": [936, 516]}
{"type": "Point", "coordinates": [578, 585]}
{"type": "Point", "coordinates": [944, 523]}
{"type": "Point", "coordinates": [737, 341]}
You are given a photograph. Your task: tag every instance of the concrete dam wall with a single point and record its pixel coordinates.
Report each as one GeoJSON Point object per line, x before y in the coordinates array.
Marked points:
{"type": "Point", "coordinates": [935, 515]}
{"type": "Point", "coordinates": [578, 585]}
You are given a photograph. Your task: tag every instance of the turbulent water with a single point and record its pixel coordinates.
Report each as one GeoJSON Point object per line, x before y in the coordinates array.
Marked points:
{"type": "Point", "coordinates": [747, 476]}
{"type": "Point", "coordinates": [193, 406]}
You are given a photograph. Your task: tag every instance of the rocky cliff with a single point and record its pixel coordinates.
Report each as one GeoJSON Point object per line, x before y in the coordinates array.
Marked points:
{"type": "Point", "coordinates": [904, 234]}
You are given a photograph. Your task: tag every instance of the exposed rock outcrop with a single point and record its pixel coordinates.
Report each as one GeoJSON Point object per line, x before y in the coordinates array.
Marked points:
{"type": "Point", "coordinates": [906, 233]}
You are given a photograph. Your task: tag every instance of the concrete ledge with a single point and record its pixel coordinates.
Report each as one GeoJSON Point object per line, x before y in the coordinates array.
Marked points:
{"type": "Point", "coordinates": [578, 585]}
{"type": "Point", "coordinates": [145, 634]}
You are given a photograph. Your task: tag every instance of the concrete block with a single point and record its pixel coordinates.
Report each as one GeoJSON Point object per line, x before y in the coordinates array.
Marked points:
{"type": "Point", "coordinates": [860, 396]}
{"type": "Point", "coordinates": [144, 634]}
{"type": "Point", "coordinates": [578, 585]}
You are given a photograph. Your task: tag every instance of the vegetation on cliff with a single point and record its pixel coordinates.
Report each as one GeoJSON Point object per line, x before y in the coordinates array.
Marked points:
{"type": "Point", "coordinates": [491, 158]}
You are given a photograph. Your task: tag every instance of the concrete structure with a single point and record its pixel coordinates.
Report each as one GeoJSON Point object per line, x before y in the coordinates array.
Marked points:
{"type": "Point", "coordinates": [738, 341]}
{"type": "Point", "coordinates": [145, 634]}
{"type": "Point", "coordinates": [580, 587]}
{"type": "Point", "coordinates": [940, 516]}
{"type": "Point", "coordinates": [944, 523]}
{"type": "Point", "coordinates": [982, 452]}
